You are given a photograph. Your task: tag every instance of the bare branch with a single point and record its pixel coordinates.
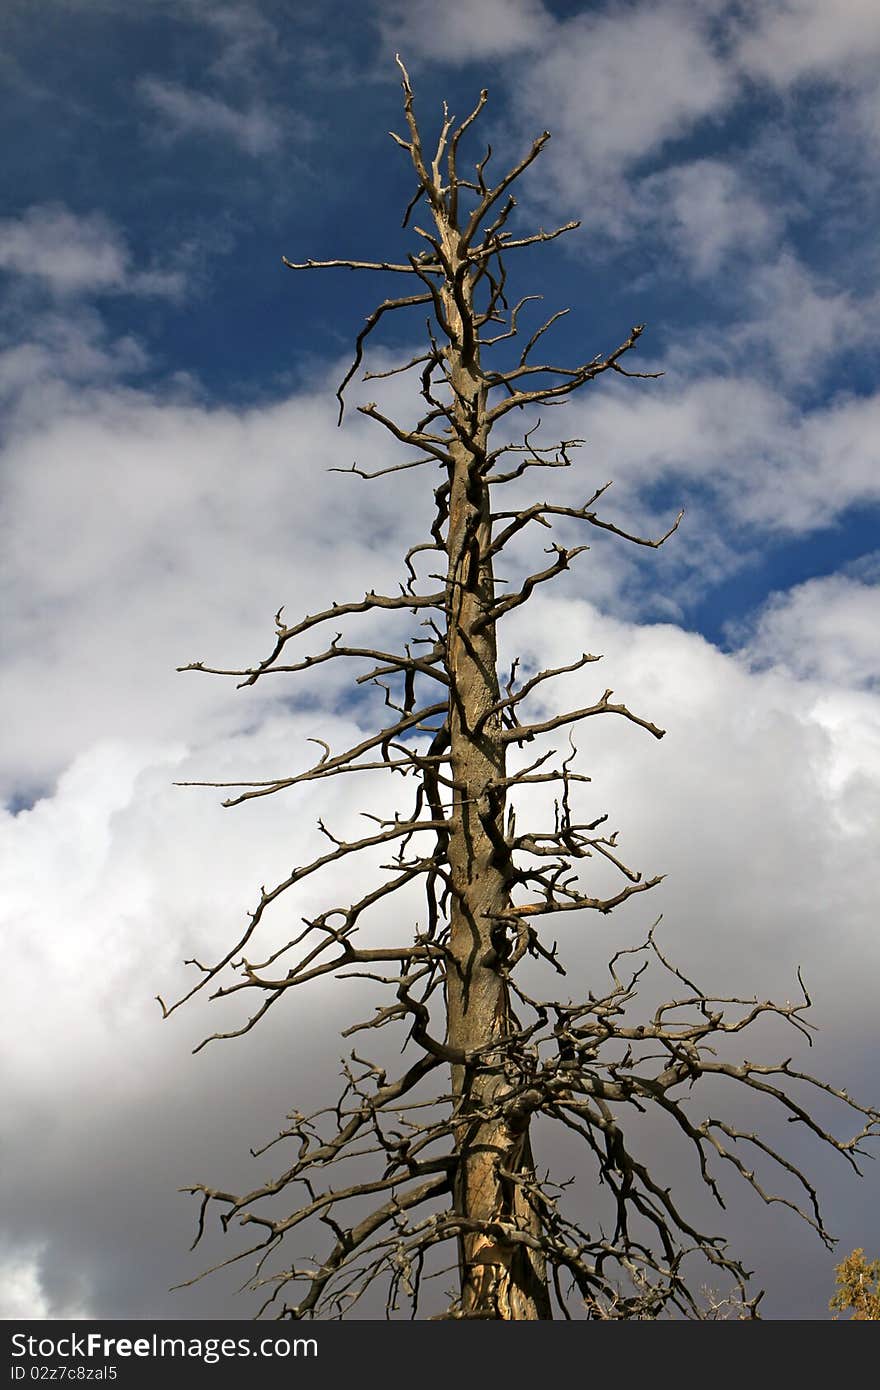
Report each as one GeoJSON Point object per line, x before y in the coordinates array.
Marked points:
{"type": "Point", "coordinates": [524, 733]}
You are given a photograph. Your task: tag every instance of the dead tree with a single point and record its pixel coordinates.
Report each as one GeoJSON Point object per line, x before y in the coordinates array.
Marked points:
{"type": "Point", "coordinates": [491, 1067]}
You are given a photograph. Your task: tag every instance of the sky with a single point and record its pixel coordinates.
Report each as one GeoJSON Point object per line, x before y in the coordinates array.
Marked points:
{"type": "Point", "coordinates": [167, 427]}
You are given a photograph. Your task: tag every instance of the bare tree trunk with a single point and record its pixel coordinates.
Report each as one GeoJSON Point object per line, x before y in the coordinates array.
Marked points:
{"type": "Point", "coordinates": [499, 1279]}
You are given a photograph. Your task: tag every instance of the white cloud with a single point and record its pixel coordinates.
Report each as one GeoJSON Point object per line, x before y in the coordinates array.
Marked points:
{"type": "Point", "coordinates": [801, 321]}
{"type": "Point", "coordinates": [769, 465]}
{"type": "Point", "coordinates": [794, 39]}
{"type": "Point", "coordinates": [834, 467]}
{"type": "Point", "coordinates": [614, 85]}
{"type": "Point", "coordinates": [184, 522]}
{"type": "Point", "coordinates": [618, 85]}
{"type": "Point", "coordinates": [58, 351]}
{"type": "Point", "coordinates": [761, 803]}
{"type": "Point", "coordinates": [787, 321]}
{"type": "Point", "coordinates": [22, 1292]}
{"type": "Point", "coordinates": [823, 629]}
{"type": "Point", "coordinates": [183, 112]}
{"type": "Point", "coordinates": [102, 904]}
{"type": "Point", "coordinates": [463, 32]}
{"type": "Point", "coordinates": [707, 213]}
{"type": "Point", "coordinates": [73, 254]}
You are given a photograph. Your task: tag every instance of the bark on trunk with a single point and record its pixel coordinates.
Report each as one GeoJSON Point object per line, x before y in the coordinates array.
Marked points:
{"type": "Point", "coordinates": [500, 1278]}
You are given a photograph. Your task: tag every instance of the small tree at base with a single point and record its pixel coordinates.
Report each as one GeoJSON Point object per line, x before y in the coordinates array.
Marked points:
{"type": "Point", "coordinates": [858, 1287]}
{"type": "Point", "coordinates": [454, 1161]}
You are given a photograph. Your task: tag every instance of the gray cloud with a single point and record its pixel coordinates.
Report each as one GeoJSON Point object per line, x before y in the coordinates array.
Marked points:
{"type": "Point", "coordinates": [184, 529]}
{"type": "Point", "coordinates": [748, 806]}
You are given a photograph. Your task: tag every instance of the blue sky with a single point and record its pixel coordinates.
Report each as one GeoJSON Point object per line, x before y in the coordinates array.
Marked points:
{"type": "Point", "coordinates": [166, 423]}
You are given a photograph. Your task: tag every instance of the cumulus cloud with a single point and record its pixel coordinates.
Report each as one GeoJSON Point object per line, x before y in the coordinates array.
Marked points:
{"type": "Point", "coordinates": [176, 518]}
{"type": "Point", "coordinates": [750, 805]}
{"type": "Point", "coordinates": [823, 629]}
{"type": "Point", "coordinates": [758, 742]}
{"type": "Point", "coordinates": [111, 881]}
{"type": "Point", "coordinates": [73, 254]}
{"type": "Point", "coordinates": [183, 112]}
